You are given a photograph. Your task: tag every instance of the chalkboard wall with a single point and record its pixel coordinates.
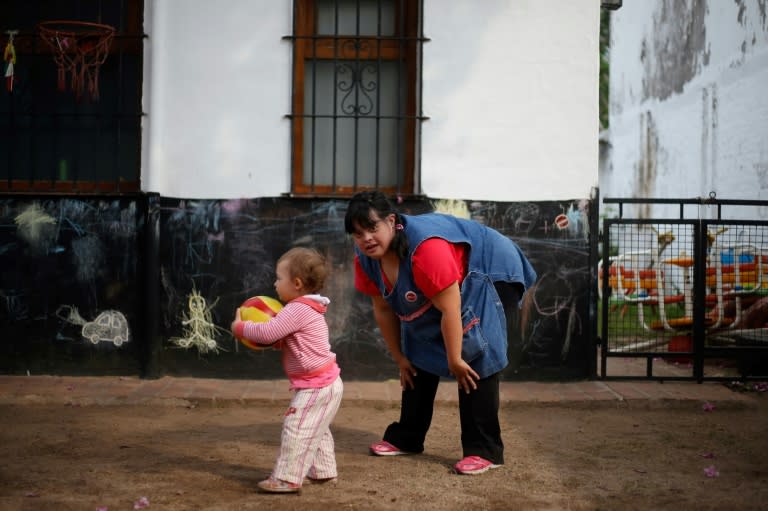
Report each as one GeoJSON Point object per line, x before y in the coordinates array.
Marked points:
{"type": "Point", "coordinates": [70, 289]}
{"type": "Point", "coordinates": [145, 285]}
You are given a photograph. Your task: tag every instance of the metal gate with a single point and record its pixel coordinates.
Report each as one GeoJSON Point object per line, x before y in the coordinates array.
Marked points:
{"type": "Point", "coordinates": [684, 297]}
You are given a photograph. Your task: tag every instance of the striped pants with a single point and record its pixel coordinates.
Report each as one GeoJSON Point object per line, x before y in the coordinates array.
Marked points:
{"type": "Point", "coordinates": [306, 444]}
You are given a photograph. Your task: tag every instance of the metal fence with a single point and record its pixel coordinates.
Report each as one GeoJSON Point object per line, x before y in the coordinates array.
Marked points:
{"type": "Point", "coordinates": [688, 292]}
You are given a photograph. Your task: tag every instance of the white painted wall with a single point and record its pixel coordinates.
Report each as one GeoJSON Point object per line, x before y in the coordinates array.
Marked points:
{"type": "Point", "coordinates": [218, 89]}
{"type": "Point", "coordinates": [510, 87]}
{"type": "Point", "coordinates": [712, 134]}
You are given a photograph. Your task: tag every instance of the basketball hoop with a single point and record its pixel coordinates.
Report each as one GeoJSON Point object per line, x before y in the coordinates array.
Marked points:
{"type": "Point", "coordinates": [79, 48]}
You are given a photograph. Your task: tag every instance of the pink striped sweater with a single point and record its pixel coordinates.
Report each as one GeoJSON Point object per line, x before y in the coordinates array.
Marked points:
{"type": "Point", "coordinates": [300, 331]}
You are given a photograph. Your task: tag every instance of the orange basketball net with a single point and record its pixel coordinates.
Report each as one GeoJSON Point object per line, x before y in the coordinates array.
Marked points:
{"type": "Point", "coordinates": [79, 48]}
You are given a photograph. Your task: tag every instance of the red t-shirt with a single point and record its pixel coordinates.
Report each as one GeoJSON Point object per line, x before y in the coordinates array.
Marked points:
{"type": "Point", "coordinates": [436, 265]}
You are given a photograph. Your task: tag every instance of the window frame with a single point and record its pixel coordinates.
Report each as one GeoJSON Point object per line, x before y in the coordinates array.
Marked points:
{"type": "Point", "coordinates": [405, 44]}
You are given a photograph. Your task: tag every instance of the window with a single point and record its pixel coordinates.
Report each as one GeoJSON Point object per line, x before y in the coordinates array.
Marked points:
{"type": "Point", "coordinates": [355, 95]}
{"type": "Point", "coordinates": [53, 141]}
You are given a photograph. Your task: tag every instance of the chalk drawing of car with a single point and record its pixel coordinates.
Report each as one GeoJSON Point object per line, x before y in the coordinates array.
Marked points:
{"type": "Point", "coordinates": [109, 326]}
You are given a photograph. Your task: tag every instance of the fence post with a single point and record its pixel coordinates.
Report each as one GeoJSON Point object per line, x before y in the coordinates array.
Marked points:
{"type": "Point", "coordinates": [699, 297]}
{"type": "Point", "coordinates": [594, 235]}
{"type": "Point", "coordinates": [151, 283]}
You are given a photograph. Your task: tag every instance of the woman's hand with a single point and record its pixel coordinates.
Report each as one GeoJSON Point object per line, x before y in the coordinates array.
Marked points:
{"type": "Point", "coordinates": [448, 302]}
{"type": "Point", "coordinates": [407, 372]}
{"type": "Point", "coordinates": [465, 375]}
{"type": "Point", "coordinates": [389, 324]}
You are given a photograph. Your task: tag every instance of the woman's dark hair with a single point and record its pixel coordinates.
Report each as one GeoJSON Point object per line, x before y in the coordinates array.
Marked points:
{"type": "Point", "coordinates": [359, 210]}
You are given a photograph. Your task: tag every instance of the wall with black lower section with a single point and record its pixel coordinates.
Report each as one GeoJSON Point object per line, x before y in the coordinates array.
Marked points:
{"type": "Point", "coordinates": [70, 285]}
{"type": "Point", "coordinates": [148, 285]}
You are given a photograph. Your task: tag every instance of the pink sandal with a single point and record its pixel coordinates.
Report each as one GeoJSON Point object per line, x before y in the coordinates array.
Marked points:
{"type": "Point", "coordinates": [273, 485]}
{"type": "Point", "coordinates": [384, 448]}
{"type": "Point", "coordinates": [473, 465]}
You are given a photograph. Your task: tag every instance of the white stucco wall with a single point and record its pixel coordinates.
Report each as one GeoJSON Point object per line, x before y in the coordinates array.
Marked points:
{"type": "Point", "coordinates": [510, 87]}
{"type": "Point", "coordinates": [689, 109]}
{"type": "Point", "coordinates": [216, 97]}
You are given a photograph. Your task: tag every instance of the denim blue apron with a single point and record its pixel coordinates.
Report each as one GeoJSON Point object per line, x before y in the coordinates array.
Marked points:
{"type": "Point", "coordinates": [492, 258]}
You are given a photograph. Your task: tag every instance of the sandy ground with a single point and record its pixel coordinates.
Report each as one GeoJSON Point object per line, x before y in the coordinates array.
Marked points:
{"type": "Point", "coordinates": [585, 456]}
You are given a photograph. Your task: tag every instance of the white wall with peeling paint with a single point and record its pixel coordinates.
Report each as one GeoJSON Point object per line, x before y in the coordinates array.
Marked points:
{"type": "Point", "coordinates": [510, 89]}
{"type": "Point", "coordinates": [689, 102]}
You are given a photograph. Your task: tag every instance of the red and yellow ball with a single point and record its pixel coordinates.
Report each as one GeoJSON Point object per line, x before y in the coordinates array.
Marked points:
{"type": "Point", "coordinates": [259, 309]}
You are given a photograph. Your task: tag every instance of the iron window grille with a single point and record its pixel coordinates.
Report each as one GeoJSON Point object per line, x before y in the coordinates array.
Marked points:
{"type": "Point", "coordinates": [356, 103]}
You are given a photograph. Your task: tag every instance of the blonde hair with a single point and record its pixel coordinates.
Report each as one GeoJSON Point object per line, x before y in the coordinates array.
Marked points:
{"type": "Point", "coordinates": [308, 265]}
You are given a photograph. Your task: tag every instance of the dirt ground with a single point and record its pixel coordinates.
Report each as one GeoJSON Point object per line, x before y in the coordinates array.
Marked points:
{"type": "Point", "coordinates": [602, 456]}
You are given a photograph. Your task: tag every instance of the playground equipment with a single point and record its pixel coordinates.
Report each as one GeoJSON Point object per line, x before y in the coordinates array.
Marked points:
{"type": "Point", "coordinates": [733, 272]}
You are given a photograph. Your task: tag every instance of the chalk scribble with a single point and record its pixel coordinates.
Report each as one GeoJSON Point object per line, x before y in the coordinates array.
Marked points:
{"type": "Point", "coordinates": [36, 227]}
{"type": "Point", "coordinates": [199, 330]}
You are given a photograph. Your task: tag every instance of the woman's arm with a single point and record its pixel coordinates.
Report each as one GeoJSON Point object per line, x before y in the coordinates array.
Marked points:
{"type": "Point", "coordinates": [448, 302]}
{"type": "Point", "coordinates": [389, 324]}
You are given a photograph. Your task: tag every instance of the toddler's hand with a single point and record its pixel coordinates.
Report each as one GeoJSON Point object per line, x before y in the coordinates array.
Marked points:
{"type": "Point", "coordinates": [237, 318]}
